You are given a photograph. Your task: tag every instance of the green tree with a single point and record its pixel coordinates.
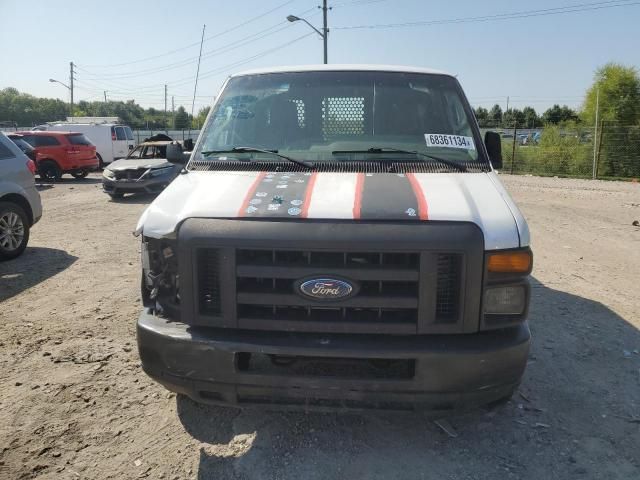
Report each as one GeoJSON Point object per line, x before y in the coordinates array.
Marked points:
{"type": "Point", "coordinates": [512, 117]}
{"type": "Point", "coordinates": [618, 89]}
{"type": "Point", "coordinates": [482, 116]}
{"type": "Point", "coordinates": [182, 118]}
{"type": "Point", "coordinates": [531, 118]}
{"type": "Point", "coordinates": [619, 92]}
{"type": "Point", "coordinates": [557, 114]}
{"type": "Point", "coordinates": [198, 121]}
{"type": "Point", "coordinates": [495, 115]}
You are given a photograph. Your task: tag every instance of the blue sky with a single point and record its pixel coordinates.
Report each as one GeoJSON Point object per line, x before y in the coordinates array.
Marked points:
{"type": "Point", "coordinates": [535, 60]}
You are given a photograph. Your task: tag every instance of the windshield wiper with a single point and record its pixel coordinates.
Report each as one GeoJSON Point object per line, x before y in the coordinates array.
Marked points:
{"type": "Point", "coordinates": [444, 161]}
{"type": "Point", "coordinates": [302, 163]}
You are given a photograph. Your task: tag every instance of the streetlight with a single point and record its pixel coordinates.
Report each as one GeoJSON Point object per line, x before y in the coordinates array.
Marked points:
{"type": "Point", "coordinates": [52, 80]}
{"type": "Point", "coordinates": [63, 84]}
{"type": "Point", "coordinates": [323, 33]}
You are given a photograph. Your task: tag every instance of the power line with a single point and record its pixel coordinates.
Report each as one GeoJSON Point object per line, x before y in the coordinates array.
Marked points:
{"type": "Point", "coordinates": [503, 16]}
{"type": "Point", "coordinates": [172, 66]}
{"type": "Point", "coordinates": [186, 47]}
{"type": "Point", "coordinates": [226, 68]}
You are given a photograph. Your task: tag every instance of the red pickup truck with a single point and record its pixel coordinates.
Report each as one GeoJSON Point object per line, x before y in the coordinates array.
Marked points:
{"type": "Point", "coordinates": [62, 152]}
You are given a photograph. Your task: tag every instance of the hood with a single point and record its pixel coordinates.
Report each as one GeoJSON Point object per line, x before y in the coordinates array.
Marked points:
{"type": "Point", "coordinates": [134, 164]}
{"type": "Point", "coordinates": [467, 197]}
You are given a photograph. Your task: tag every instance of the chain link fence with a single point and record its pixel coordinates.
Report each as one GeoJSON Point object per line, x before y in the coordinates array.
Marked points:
{"type": "Point", "coordinates": [180, 135]}
{"type": "Point", "coordinates": [610, 151]}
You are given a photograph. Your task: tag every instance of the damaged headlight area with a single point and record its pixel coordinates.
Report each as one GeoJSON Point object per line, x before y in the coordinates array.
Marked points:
{"type": "Point", "coordinates": [108, 174]}
{"type": "Point", "coordinates": [160, 278]}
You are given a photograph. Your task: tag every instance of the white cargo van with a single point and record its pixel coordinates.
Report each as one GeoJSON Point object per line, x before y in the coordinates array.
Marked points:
{"type": "Point", "coordinates": [112, 141]}
{"type": "Point", "coordinates": [338, 238]}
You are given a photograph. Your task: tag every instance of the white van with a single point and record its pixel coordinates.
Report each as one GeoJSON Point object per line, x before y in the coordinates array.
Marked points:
{"type": "Point", "coordinates": [112, 141]}
{"type": "Point", "coordinates": [344, 219]}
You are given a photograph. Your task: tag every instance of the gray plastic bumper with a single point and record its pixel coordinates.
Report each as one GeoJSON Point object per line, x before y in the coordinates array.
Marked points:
{"type": "Point", "coordinates": [450, 371]}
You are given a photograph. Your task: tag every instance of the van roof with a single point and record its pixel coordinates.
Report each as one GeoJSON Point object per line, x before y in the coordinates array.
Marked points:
{"type": "Point", "coordinates": [342, 68]}
{"type": "Point", "coordinates": [48, 132]}
{"type": "Point", "coordinates": [96, 124]}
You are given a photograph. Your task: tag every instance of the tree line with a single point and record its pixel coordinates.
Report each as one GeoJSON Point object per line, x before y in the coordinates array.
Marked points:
{"type": "Point", "coordinates": [525, 118]}
{"type": "Point", "coordinates": [24, 110]}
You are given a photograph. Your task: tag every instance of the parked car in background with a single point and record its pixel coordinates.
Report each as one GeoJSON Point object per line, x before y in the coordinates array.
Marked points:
{"type": "Point", "coordinates": [145, 170]}
{"type": "Point", "coordinates": [20, 206]}
{"type": "Point", "coordinates": [27, 149]}
{"type": "Point", "coordinates": [62, 152]}
{"type": "Point", "coordinates": [112, 141]}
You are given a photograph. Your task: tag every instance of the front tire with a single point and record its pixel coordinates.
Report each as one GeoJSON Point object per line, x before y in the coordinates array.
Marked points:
{"type": "Point", "coordinates": [101, 163]}
{"type": "Point", "coordinates": [49, 170]}
{"type": "Point", "coordinates": [14, 230]}
{"type": "Point", "coordinates": [80, 174]}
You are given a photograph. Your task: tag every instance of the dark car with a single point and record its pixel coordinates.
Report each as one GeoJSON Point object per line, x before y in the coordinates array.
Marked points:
{"type": "Point", "coordinates": [20, 142]}
{"type": "Point", "coordinates": [145, 170]}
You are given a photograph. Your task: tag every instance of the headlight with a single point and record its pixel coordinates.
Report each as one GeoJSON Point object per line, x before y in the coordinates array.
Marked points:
{"type": "Point", "coordinates": [509, 300]}
{"type": "Point", "coordinates": [108, 174]}
{"type": "Point", "coordinates": [160, 171]}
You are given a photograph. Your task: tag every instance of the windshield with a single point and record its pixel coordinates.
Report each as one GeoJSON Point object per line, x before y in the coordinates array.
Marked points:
{"type": "Point", "coordinates": [318, 116]}
{"type": "Point", "coordinates": [148, 151]}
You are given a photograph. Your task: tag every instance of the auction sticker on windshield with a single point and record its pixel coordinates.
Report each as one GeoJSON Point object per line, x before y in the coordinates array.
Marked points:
{"type": "Point", "coordinates": [449, 141]}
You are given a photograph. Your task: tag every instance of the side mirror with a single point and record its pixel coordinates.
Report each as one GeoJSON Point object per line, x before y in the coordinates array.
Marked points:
{"type": "Point", "coordinates": [493, 142]}
{"type": "Point", "coordinates": [176, 155]}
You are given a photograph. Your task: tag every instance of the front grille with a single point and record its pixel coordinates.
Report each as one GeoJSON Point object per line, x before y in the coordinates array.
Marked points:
{"type": "Point", "coordinates": [209, 281]}
{"type": "Point", "coordinates": [387, 289]}
{"type": "Point", "coordinates": [129, 174]}
{"type": "Point", "coordinates": [448, 288]}
{"type": "Point", "coordinates": [407, 279]}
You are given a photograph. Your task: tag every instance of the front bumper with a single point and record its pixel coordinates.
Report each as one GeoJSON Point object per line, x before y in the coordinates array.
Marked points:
{"type": "Point", "coordinates": [450, 371]}
{"type": "Point", "coordinates": [151, 185]}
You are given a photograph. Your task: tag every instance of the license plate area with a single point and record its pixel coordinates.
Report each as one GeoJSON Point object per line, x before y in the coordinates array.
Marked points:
{"type": "Point", "coordinates": [325, 367]}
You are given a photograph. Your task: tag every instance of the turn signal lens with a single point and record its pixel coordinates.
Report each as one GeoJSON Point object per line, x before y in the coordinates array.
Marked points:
{"type": "Point", "coordinates": [510, 262]}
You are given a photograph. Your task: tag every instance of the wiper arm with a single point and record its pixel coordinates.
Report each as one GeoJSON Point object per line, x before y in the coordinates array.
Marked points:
{"type": "Point", "coordinates": [444, 161]}
{"type": "Point", "coordinates": [302, 163]}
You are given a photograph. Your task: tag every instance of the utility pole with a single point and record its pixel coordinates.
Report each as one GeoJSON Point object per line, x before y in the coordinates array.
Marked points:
{"type": "Point", "coordinates": [105, 96]}
{"type": "Point", "coordinates": [195, 86]}
{"type": "Point", "coordinates": [173, 112]}
{"type": "Point", "coordinates": [325, 30]}
{"type": "Point", "coordinates": [71, 73]}
{"type": "Point", "coordinates": [505, 112]}
{"type": "Point", "coordinates": [595, 135]}
{"type": "Point", "coordinates": [165, 108]}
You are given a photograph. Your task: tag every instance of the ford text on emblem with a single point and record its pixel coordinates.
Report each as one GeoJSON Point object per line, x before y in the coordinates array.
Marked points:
{"type": "Point", "coordinates": [326, 288]}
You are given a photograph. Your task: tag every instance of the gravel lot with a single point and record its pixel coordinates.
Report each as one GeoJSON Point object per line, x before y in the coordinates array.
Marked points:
{"type": "Point", "coordinates": [74, 402]}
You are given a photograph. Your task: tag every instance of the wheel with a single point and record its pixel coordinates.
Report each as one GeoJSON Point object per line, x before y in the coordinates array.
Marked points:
{"type": "Point", "coordinates": [80, 174]}
{"type": "Point", "coordinates": [49, 170]}
{"type": "Point", "coordinates": [101, 164]}
{"type": "Point", "coordinates": [14, 230]}
{"type": "Point", "coordinates": [116, 196]}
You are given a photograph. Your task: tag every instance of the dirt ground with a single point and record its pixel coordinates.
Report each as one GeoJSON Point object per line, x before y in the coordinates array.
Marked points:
{"type": "Point", "coordinates": [74, 402]}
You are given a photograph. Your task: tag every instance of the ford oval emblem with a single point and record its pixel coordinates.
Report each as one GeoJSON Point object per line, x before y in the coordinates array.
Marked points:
{"type": "Point", "coordinates": [326, 288]}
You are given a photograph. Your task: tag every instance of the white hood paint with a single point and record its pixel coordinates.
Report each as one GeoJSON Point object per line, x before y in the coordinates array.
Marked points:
{"type": "Point", "coordinates": [474, 197]}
